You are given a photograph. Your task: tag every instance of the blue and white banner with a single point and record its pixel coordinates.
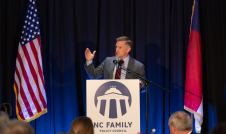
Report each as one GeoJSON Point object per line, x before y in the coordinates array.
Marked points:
{"type": "Point", "coordinates": [114, 106]}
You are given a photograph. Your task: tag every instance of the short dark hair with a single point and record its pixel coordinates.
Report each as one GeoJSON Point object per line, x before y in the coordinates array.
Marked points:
{"type": "Point", "coordinates": [129, 42]}
{"type": "Point", "coordinates": [82, 125]}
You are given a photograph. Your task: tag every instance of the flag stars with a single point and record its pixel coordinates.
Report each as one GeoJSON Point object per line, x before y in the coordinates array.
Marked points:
{"type": "Point", "coordinates": [31, 25]}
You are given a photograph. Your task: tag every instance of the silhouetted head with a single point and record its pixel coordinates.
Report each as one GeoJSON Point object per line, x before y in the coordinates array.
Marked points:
{"type": "Point", "coordinates": [82, 125]}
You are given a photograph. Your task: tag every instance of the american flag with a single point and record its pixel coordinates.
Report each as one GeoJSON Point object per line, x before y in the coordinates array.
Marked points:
{"type": "Point", "coordinates": [29, 85]}
{"type": "Point", "coordinates": [193, 99]}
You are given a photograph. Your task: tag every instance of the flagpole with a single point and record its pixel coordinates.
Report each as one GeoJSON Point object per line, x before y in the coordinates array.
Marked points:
{"type": "Point", "coordinates": [147, 105]}
{"type": "Point", "coordinates": [192, 119]}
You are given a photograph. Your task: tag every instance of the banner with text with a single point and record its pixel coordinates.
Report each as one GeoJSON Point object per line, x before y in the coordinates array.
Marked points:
{"type": "Point", "coordinates": [114, 106]}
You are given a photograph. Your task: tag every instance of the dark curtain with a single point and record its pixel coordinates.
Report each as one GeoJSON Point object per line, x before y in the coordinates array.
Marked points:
{"type": "Point", "coordinates": [213, 20]}
{"type": "Point", "coordinates": [160, 31]}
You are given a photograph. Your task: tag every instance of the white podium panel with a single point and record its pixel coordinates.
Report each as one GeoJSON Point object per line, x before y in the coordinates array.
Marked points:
{"type": "Point", "coordinates": [114, 106]}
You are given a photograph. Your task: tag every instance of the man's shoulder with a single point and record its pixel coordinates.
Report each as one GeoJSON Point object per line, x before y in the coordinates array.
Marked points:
{"type": "Point", "coordinates": [110, 58]}
{"type": "Point", "coordinates": [107, 59]}
{"type": "Point", "coordinates": [136, 62]}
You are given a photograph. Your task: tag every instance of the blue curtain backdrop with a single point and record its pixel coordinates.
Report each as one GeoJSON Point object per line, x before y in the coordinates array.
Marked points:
{"type": "Point", "coordinates": [160, 31]}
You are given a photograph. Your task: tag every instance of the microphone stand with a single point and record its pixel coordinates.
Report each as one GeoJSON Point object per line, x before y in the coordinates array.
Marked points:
{"type": "Point", "coordinates": [147, 84]}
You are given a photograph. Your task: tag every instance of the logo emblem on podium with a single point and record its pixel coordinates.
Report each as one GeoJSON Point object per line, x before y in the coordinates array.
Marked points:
{"type": "Point", "coordinates": [112, 99]}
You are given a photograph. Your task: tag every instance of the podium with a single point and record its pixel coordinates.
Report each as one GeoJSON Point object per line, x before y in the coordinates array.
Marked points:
{"type": "Point", "coordinates": [114, 105]}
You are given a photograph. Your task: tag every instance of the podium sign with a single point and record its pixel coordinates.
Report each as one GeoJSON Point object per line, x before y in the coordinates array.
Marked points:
{"type": "Point", "coordinates": [114, 106]}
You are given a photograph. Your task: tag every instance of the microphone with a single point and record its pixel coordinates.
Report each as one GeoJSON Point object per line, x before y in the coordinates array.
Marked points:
{"type": "Point", "coordinates": [119, 62]}
{"type": "Point", "coordinates": [115, 62]}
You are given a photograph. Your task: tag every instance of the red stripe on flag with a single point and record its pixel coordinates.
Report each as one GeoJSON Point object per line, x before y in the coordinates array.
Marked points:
{"type": "Point", "coordinates": [33, 97]}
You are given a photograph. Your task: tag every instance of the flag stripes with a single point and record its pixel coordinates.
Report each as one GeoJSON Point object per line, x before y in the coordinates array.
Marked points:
{"type": "Point", "coordinates": [29, 79]}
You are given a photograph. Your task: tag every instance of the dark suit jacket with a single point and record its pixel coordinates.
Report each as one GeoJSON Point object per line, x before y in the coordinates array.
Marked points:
{"type": "Point", "coordinates": [106, 69]}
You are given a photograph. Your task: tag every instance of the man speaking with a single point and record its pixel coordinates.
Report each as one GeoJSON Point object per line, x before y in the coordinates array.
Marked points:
{"type": "Point", "coordinates": [120, 66]}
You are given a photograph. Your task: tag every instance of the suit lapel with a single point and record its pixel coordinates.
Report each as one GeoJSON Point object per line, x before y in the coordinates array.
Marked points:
{"type": "Point", "coordinates": [111, 68]}
{"type": "Point", "coordinates": [130, 64]}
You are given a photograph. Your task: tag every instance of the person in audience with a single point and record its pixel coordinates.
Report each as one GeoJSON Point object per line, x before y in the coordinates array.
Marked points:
{"type": "Point", "coordinates": [18, 127]}
{"type": "Point", "coordinates": [180, 122]}
{"type": "Point", "coordinates": [4, 119]}
{"type": "Point", "coordinates": [82, 125]}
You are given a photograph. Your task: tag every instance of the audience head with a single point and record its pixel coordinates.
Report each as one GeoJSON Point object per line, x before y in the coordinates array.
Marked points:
{"type": "Point", "coordinates": [82, 125]}
{"type": "Point", "coordinates": [4, 119]}
{"type": "Point", "coordinates": [180, 122]}
{"type": "Point", "coordinates": [18, 127]}
{"type": "Point", "coordinates": [219, 129]}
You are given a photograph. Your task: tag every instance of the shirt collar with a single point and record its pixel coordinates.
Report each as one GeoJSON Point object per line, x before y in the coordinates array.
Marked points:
{"type": "Point", "coordinates": [126, 59]}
